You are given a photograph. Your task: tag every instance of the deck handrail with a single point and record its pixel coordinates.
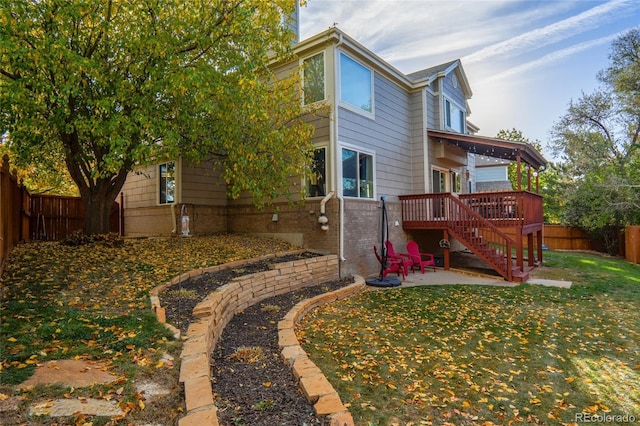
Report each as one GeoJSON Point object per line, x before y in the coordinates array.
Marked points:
{"type": "Point", "coordinates": [444, 210]}
{"type": "Point", "coordinates": [507, 208]}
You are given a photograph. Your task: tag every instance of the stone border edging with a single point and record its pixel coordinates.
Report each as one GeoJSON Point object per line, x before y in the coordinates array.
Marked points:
{"type": "Point", "coordinates": [311, 380]}
{"type": "Point", "coordinates": [219, 307]}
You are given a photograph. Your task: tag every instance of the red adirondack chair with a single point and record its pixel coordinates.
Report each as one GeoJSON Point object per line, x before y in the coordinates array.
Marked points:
{"type": "Point", "coordinates": [392, 264]}
{"type": "Point", "coordinates": [408, 262]}
{"type": "Point", "coordinates": [420, 259]}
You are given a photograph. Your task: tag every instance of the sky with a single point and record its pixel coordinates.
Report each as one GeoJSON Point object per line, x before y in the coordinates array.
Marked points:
{"type": "Point", "coordinates": [524, 60]}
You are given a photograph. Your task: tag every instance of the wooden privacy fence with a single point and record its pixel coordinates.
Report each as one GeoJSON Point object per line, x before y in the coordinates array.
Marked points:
{"type": "Point", "coordinates": [14, 199]}
{"type": "Point", "coordinates": [55, 217]}
{"type": "Point", "coordinates": [25, 216]}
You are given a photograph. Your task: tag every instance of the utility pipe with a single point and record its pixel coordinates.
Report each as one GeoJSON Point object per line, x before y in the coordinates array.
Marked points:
{"type": "Point", "coordinates": [324, 201]}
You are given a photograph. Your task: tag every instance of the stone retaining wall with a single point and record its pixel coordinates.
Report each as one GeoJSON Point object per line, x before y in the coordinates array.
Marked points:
{"type": "Point", "coordinates": [217, 309]}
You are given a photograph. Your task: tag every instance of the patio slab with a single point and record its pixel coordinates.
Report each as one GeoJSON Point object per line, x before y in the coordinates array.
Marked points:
{"type": "Point", "coordinates": [550, 283]}
{"type": "Point", "coordinates": [444, 277]}
{"type": "Point", "coordinates": [456, 276]}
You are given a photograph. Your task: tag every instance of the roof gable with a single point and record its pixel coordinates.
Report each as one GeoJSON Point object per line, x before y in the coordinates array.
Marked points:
{"type": "Point", "coordinates": [440, 71]}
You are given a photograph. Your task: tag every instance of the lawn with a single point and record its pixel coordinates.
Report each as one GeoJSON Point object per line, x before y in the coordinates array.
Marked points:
{"type": "Point", "coordinates": [61, 301]}
{"type": "Point", "coordinates": [465, 355]}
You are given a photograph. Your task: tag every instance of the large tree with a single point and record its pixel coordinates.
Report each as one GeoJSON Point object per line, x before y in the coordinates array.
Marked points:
{"type": "Point", "coordinates": [598, 140]}
{"type": "Point", "coordinates": [107, 85]}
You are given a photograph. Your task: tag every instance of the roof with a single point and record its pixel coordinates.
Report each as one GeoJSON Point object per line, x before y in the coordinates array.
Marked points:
{"type": "Point", "coordinates": [493, 147]}
{"type": "Point", "coordinates": [428, 72]}
{"type": "Point", "coordinates": [414, 80]}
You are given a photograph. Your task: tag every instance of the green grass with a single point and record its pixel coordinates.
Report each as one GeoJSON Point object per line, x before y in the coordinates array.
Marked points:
{"type": "Point", "coordinates": [92, 302]}
{"type": "Point", "coordinates": [475, 355]}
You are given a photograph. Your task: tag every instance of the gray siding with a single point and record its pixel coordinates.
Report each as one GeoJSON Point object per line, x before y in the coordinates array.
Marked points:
{"type": "Point", "coordinates": [453, 93]}
{"type": "Point", "coordinates": [433, 110]}
{"type": "Point", "coordinates": [388, 135]}
{"type": "Point", "coordinates": [491, 174]}
{"type": "Point", "coordinates": [418, 147]}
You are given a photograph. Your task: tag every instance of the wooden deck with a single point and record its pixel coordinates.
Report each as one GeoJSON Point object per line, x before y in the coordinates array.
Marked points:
{"type": "Point", "coordinates": [493, 225]}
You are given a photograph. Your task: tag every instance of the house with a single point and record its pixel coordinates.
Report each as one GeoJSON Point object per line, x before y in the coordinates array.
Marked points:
{"type": "Point", "coordinates": [406, 137]}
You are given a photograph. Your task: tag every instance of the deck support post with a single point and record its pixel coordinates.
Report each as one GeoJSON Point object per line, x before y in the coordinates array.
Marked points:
{"type": "Point", "coordinates": [519, 250]}
{"type": "Point", "coordinates": [446, 251]}
{"type": "Point", "coordinates": [539, 243]}
{"type": "Point", "coordinates": [530, 250]}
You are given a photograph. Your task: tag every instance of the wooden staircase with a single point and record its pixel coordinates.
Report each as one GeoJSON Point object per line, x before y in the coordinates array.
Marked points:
{"type": "Point", "coordinates": [478, 234]}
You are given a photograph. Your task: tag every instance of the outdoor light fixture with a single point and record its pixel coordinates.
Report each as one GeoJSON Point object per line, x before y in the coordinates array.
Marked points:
{"type": "Point", "coordinates": [274, 217]}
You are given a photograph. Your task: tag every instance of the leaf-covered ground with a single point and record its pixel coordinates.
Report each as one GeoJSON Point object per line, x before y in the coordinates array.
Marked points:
{"type": "Point", "coordinates": [457, 355]}
{"type": "Point", "coordinates": [62, 301]}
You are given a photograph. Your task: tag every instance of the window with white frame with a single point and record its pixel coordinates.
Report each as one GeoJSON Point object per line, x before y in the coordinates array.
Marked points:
{"type": "Point", "coordinates": [454, 117]}
{"type": "Point", "coordinates": [456, 182]}
{"type": "Point", "coordinates": [317, 182]}
{"type": "Point", "coordinates": [313, 76]}
{"type": "Point", "coordinates": [356, 82]}
{"type": "Point", "coordinates": [357, 174]}
{"type": "Point", "coordinates": [167, 173]}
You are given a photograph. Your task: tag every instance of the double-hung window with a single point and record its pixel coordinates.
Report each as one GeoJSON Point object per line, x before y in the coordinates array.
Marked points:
{"type": "Point", "coordinates": [313, 78]}
{"type": "Point", "coordinates": [454, 116]}
{"type": "Point", "coordinates": [167, 173]}
{"type": "Point", "coordinates": [356, 82]}
{"type": "Point", "coordinates": [357, 174]}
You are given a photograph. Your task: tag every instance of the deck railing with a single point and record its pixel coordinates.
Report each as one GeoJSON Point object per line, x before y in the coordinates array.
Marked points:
{"type": "Point", "coordinates": [507, 208]}
{"type": "Point", "coordinates": [446, 211]}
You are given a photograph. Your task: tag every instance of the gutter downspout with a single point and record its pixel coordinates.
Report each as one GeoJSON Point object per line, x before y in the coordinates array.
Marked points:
{"type": "Point", "coordinates": [333, 131]}
{"type": "Point", "coordinates": [177, 194]}
{"type": "Point", "coordinates": [173, 216]}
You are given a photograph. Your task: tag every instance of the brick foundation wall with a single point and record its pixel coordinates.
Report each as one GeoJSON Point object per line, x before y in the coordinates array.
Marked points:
{"type": "Point", "coordinates": [362, 231]}
{"type": "Point", "coordinates": [296, 223]}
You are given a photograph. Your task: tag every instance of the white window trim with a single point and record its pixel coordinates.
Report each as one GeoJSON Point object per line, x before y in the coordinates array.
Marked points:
{"type": "Point", "coordinates": [347, 105]}
{"type": "Point", "coordinates": [447, 178]}
{"type": "Point", "coordinates": [456, 105]}
{"type": "Point", "coordinates": [373, 160]}
{"type": "Point", "coordinates": [176, 165]}
{"type": "Point", "coordinates": [324, 64]}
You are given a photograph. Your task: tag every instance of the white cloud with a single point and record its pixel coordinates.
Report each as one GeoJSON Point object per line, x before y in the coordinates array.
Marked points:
{"type": "Point", "coordinates": [550, 34]}
{"type": "Point", "coordinates": [552, 57]}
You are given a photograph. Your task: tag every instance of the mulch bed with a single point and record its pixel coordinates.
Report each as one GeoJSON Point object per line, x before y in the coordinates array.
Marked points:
{"type": "Point", "coordinates": [252, 385]}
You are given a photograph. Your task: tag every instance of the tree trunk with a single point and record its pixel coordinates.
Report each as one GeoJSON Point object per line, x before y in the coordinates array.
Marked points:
{"type": "Point", "coordinates": [98, 199]}
{"type": "Point", "coordinates": [97, 193]}
{"type": "Point", "coordinates": [96, 217]}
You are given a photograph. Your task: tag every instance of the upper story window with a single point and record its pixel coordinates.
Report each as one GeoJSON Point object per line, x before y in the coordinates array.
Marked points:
{"type": "Point", "coordinates": [167, 173]}
{"type": "Point", "coordinates": [313, 78]}
{"type": "Point", "coordinates": [454, 117]}
{"type": "Point", "coordinates": [317, 183]}
{"type": "Point", "coordinates": [356, 82]}
{"type": "Point", "coordinates": [357, 174]}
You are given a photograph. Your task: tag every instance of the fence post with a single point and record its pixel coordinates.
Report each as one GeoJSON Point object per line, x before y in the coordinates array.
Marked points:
{"type": "Point", "coordinates": [4, 209]}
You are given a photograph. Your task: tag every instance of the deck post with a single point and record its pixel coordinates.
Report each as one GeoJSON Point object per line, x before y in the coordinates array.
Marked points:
{"type": "Point", "coordinates": [539, 243]}
{"type": "Point", "coordinates": [530, 249]}
{"type": "Point", "coordinates": [446, 251]}
{"type": "Point", "coordinates": [519, 250]}
{"type": "Point", "coordinates": [519, 171]}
